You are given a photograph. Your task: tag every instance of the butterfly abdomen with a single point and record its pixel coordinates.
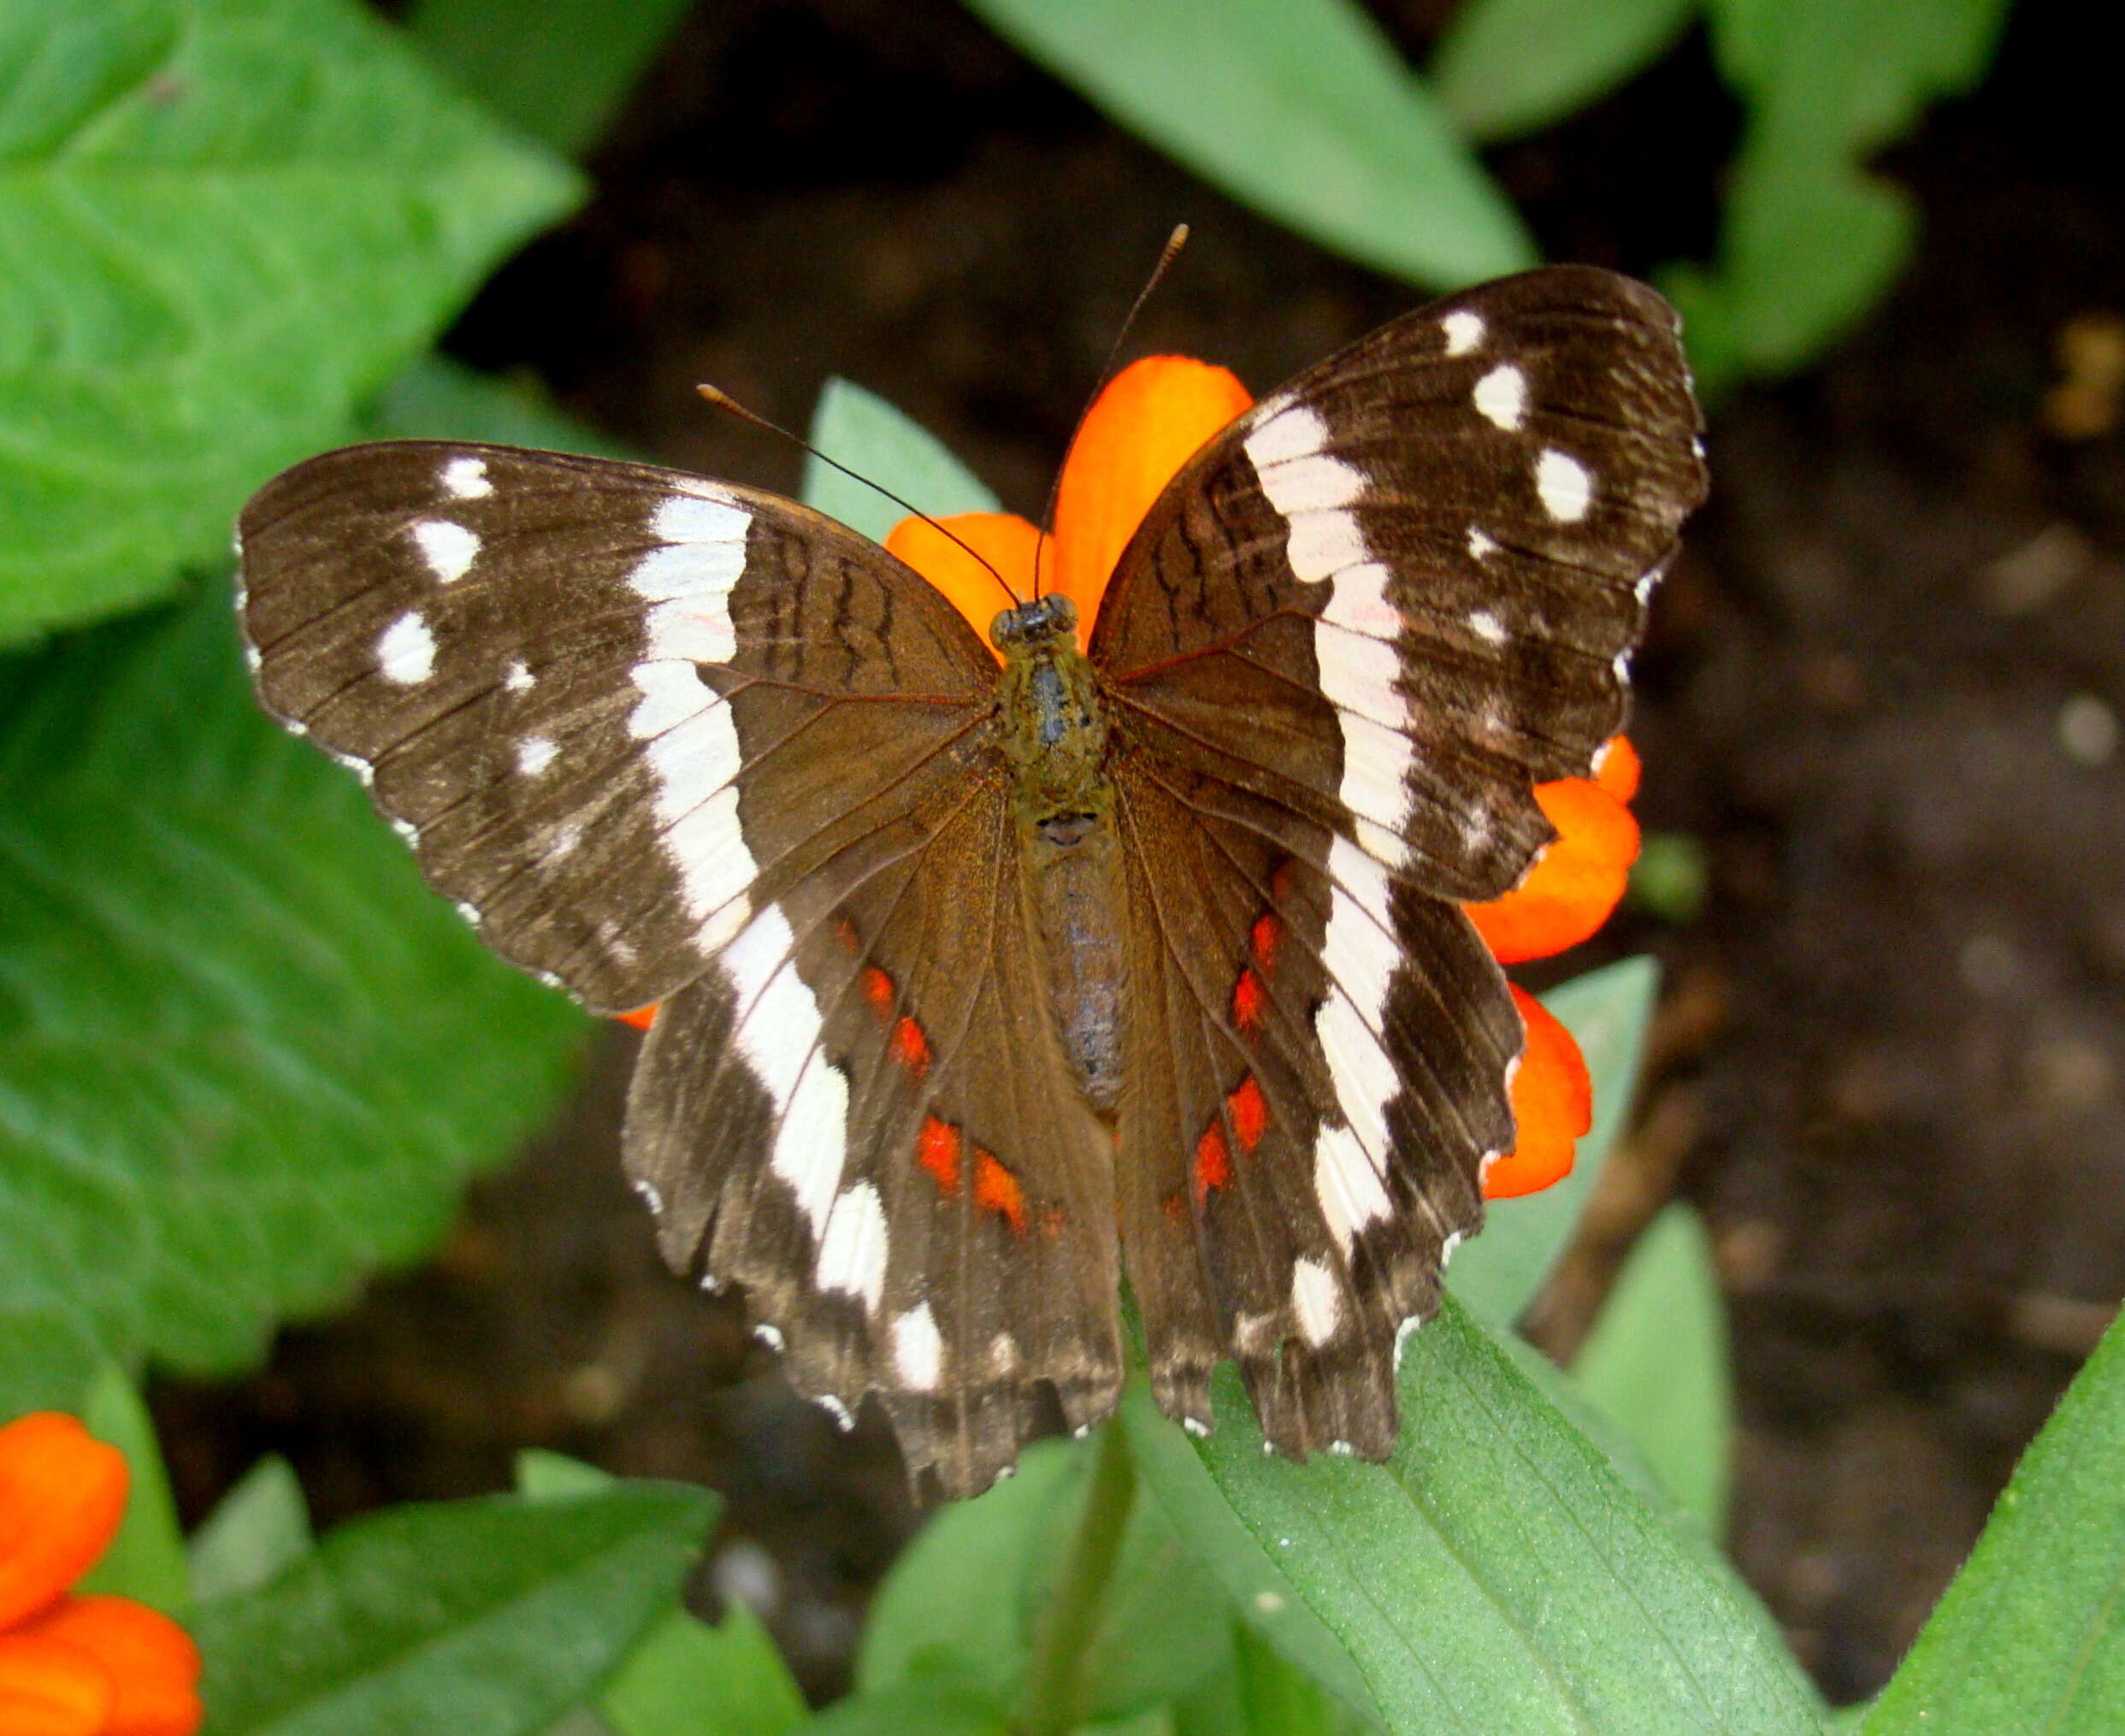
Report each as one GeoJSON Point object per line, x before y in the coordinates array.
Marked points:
{"type": "Point", "coordinates": [1055, 735]}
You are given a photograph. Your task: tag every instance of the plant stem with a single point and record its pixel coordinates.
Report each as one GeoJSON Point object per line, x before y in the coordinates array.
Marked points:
{"type": "Point", "coordinates": [1053, 1684]}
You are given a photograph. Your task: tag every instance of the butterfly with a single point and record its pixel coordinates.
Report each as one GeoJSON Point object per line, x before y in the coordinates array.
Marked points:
{"type": "Point", "coordinates": [991, 975]}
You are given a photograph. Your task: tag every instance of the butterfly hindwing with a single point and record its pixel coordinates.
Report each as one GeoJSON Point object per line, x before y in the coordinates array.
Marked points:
{"type": "Point", "coordinates": [958, 1256]}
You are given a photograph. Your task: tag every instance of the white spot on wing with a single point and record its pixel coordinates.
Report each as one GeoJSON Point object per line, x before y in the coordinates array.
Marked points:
{"type": "Point", "coordinates": [449, 549]}
{"type": "Point", "coordinates": [646, 1192]}
{"type": "Point", "coordinates": [1464, 331]}
{"type": "Point", "coordinates": [534, 754]}
{"type": "Point", "coordinates": [1566, 486]}
{"type": "Point", "coordinates": [1316, 1300]}
{"type": "Point", "coordinates": [1480, 545]}
{"type": "Point", "coordinates": [1502, 396]}
{"type": "Point", "coordinates": [1358, 954]}
{"type": "Point", "coordinates": [1324, 542]}
{"type": "Point", "coordinates": [405, 650]}
{"type": "Point", "coordinates": [917, 1351]}
{"type": "Point", "coordinates": [693, 745]}
{"type": "Point", "coordinates": [465, 478]}
{"type": "Point", "coordinates": [853, 1252]}
{"type": "Point", "coordinates": [1486, 626]}
{"type": "Point", "coordinates": [779, 1031]}
{"type": "Point", "coordinates": [519, 678]}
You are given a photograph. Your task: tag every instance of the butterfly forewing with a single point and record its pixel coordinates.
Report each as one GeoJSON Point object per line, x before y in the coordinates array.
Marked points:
{"type": "Point", "coordinates": [1466, 511]}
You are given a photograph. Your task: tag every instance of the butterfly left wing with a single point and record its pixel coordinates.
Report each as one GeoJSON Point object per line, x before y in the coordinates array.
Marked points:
{"type": "Point", "coordinates": [1344, 645]}
{"type": "Point", "coordinates": [666, 739]}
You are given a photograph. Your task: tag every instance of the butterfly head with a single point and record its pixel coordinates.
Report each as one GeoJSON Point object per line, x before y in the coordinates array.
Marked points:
{"type": "Point", "coordinates": [1029, 626]}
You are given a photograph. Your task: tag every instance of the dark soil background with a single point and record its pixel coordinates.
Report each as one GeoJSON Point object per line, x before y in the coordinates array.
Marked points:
{"type": "Point", "coordinates": [1883, 693]}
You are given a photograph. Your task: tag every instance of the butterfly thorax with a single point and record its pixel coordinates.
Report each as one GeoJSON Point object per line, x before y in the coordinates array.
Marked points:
{"type": "Point", "coordinates": [1055, 736]}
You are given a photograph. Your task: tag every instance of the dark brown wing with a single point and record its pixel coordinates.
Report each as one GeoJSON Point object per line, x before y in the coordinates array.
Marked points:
{"type": "Point", "coordinates": [666, 739]}
{"type": "Point", "coordinates": [957, 1255]}
{"type": "Point", "coordinates": [509, 647]}
{"type": "Point", "coordinates": [1462, 517]}
{"type": "Point", "coordinates": [1343, 647]}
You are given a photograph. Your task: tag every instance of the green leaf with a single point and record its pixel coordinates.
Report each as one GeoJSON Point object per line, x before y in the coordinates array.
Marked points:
{"type": "Point", "coordinates": [941, 1707]}
{"type": "Point", "coordinates": [245, 1056]}
{"type": "Point", "coordinates": [687, 1677]}
{"type": "Point", "coordinates": [961, 1603]}
{"type": "Point", "coordinates": [2031, 1636]}
{"type": "Point", "coordinates": [1497, 1273]}
{"type": "Point", "coordinates": [1279, 1700]}
{"type": "Point", "coordinates": [1505, 67]}
{"type": "Point", "coordinates": [1299, 108]}
{"type": "Point", "coordinates": [440, 400]}
{"type": "Point", "coordinates": [1809, 243]}
{"type": "Point", "coordinates": [146, 1560]}
{"type": "Point", "coordinates": [1656, 1362]}
{"type": "Point", "coordinates": [261, 1527]}
{"type": "Point", "coordinates": [960, 1597]}
{"type": "Point", "coordinates": [225, 223]}
{"type": "Point", "coordinates": [482, 1618]}
{"type": "Point", "coordinates": [1156, 1590]}
{"type": "Point", "coordinates": [860, 429]}
{"type": "Point", "coordinates": [1255, 1587]}
{"type": "Point", "coordinates": [558, 69]}
{"type": "Point", "coordinates": [1494, 1575]}
{"type": "Point", "coordinates": [544, 1476]}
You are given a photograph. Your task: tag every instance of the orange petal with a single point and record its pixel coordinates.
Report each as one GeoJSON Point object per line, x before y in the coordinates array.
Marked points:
{"type": "Point", "coordinates": [1151, 419]}
{"type": "Point", "coordinates": [1553, 1106]}
{"type": "Point", "coordinates": [61, 1494]}
{"type": "Point", "coordinates": [50, 1688]}
{"type": "Point", "coordinates": [152, 1663]}
{"type": "Point", "coordinates": [1004, 540]}
{"type": "Point", "coordinates": [1575, 882]}
{"type": "Point", "coordinates": [1616, 767]}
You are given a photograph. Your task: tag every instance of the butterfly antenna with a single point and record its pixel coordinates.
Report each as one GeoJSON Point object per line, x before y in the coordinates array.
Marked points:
{"type": "Point", "coordinates": [1174, 243]}
{"type": "Point", "coordinates": [723, 401]}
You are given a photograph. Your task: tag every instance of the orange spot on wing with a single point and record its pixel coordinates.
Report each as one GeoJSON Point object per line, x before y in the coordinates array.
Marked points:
{"type": "Point", "coordinates": [997, 1189]}
{"type": "Point", "coordinates": [642, 1019]}
{"type": "Point", "coordinates": [878, 991]}
{"type": "Point", "coordinates": [1280, 881]}
{"type": "Point", "coordinates": [1249, 1112]}
{"type": "Point", "coordinates": [1213, 1163]}
{"type": "Point", "coordinates": [1249, 999]}
{"type": "Point", "coordinates": [937, 1149]}
{"type": "Point", "coordinates": [1553, 1106]}
{"type": "Point", "coordinates": [844, 932]}
{"type": "Point", "coordinates": [1268, 930]}
{"type": "Point", "coordinates": [909, 1047]}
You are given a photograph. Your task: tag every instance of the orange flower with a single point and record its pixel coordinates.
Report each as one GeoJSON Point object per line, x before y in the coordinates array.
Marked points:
{"type": "Point", "coordinates": [1149, 420]}
{"type": "Point", "coordinates": [78, 1666]}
